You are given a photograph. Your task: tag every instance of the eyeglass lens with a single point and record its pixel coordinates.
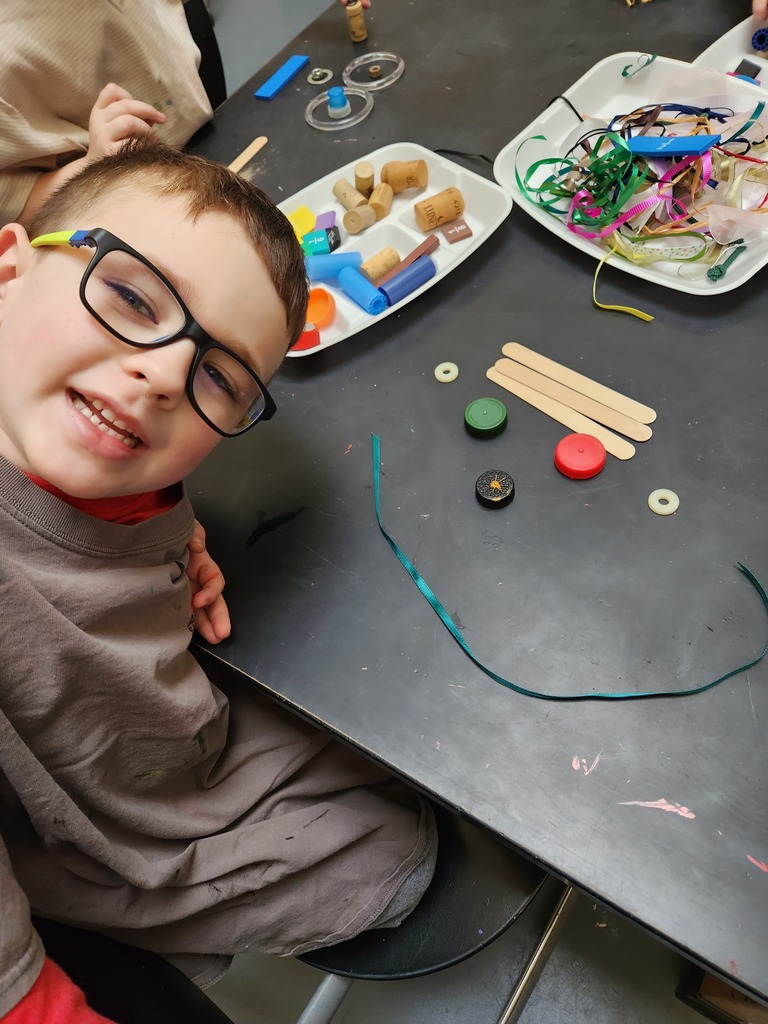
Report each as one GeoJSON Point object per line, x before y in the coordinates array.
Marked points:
{"type": "Point", "coordinates": [138, 306]}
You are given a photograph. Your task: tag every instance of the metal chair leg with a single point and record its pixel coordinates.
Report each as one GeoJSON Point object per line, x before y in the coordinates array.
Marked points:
{"type": "Point", "coordinates": [536, 964]}
{"type": "Point", "coordinates": [326, 1000]}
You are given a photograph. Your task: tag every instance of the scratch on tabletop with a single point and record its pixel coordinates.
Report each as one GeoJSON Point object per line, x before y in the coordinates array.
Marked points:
{"type": "Point", "coordinates": [662, 805]}
{"type": "Point", "coordinates": [581, 763]}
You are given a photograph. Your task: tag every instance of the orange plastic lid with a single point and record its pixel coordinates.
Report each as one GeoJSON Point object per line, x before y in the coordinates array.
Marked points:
{"type": "Point", "coordinates": [322, 307]}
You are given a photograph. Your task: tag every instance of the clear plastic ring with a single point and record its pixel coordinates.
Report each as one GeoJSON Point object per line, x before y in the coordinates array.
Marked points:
{"type": "Point", "coordinates": [375, 84]}
{"type": "Point", "coordinates": [345, 122]}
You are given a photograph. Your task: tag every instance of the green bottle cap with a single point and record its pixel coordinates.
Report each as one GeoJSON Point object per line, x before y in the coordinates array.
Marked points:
{"type": "Point", "coordinates": [485, 417]}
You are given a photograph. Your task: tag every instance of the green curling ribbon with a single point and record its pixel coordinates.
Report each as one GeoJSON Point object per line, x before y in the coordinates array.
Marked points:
{"type": "Point", "coordinates": [450, 625]}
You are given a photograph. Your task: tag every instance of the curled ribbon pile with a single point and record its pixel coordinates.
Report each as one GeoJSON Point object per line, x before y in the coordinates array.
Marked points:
{"type": "Point", "coordinates": [650, 208]}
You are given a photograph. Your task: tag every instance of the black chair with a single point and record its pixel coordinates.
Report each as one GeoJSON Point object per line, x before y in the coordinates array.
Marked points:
{"type": "Point", "coordinates": [211, 67]}
{"type": "Point", "coordinates": [480, 888]}
{"type": "Point", "coordinates": [126, 984]}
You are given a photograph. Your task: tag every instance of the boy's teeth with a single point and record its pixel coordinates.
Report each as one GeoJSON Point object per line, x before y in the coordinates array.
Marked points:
{"type": "Point", "coordinates": [131, 441]}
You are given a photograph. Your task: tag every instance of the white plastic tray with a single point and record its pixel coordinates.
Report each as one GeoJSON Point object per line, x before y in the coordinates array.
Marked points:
{"type": "Point", "coordinates": [486, 206]}
{"type": "Point", "coordinates": [727, 52]}
{"type": "Point", "coordinates": [603, 92]}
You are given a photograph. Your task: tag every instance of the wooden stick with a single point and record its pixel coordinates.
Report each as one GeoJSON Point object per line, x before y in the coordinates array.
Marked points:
{"type": "Point", "coordinates": [584, 385]}
{"type": "Point", "coordinates": [614, 444]}
{"type": "Point", "coordinates": [575, 400]}
{"type": "Point", "coordinates": [427, 246]}
{"type": "Point", "coordinates": [248, 153]}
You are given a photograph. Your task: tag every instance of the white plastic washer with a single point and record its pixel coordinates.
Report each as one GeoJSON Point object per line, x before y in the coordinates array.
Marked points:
{"type": "Point", "coordinates": [663, 502]}
{"type": "Point", "coordinates": [374, 84]}
{"type": "Point", "coordinates": [446, 372]}
{"type": "Point", "coordinates": [347, 122]}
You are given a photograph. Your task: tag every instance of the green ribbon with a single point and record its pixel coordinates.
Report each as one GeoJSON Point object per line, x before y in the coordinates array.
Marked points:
{"type": "Point", "coordinates": [450, 625]}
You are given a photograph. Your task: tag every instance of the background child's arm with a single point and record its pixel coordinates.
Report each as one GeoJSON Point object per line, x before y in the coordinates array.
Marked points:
{"type": "Point", "coordinates": [209, 608]}
{"type": "Point", "coordinates": [116, 116]}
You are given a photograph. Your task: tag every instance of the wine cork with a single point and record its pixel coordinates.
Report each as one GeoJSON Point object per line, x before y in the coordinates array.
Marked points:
{"type": "Point", "coordinates": [364, 177]}
{"type": "Point", "coordinates": [358, 33]}
{"type": "Point", "coordinates": [359, 219]}
{"type": "Point", "coordinates": [380, 264]}
{"type": "Point", "coordinates": [403, 174]}
{"type": "Point", "coordinates": [381, 200]}
{"type": "Point", "coordinates": [348, 195]}
{"type": "Point", "coordinates": [439, 209]}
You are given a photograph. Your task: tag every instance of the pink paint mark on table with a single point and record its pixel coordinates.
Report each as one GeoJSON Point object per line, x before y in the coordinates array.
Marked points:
{"type": "Point", "coordinates": [349, 449]}
{"type": "Point", "coordinates": [758, 863]}
{"type": "Point", "coordinates": [580, 763]}
{"type": "Point", "coordinates": [662, 805]}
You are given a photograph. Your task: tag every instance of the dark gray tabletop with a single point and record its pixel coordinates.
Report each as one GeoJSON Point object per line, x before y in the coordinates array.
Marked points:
{"type": "Point", "coordinates": [576, 586]}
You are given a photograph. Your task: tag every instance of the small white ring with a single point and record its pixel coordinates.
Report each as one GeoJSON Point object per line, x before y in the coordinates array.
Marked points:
{"type": "Point", "coordinates": [663, 502]}
{"type": "Point", "coordinates": [374, 84]}
{"type": "Point", "coordinates": [446, 372]}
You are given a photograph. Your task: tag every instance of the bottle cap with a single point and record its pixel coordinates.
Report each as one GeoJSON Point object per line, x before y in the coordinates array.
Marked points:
{"type": "Point", "coordinates": [485, 417]}
{"type": "Point", "coordinates": [494, 488]}
{"type": "Point", "coordinates": [321, 308]}
{"type": "Point", "coordinates": [309, 338]}
{"type": "Point", "coordinates": [580, 456]}
{"type": "Point", "coordinates": [338, 104]}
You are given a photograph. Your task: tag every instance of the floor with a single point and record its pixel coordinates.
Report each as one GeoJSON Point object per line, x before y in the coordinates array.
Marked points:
{"type": "Point", "coordinates": [604, 969]}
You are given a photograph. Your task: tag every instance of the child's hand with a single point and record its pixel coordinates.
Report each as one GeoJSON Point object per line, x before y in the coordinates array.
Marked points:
{"type": "Point", "coordinates": [209, 608]}
{"type": "Point", "coordinates": [367, 3]}
{"type": "Point", "coordinates": [116, 116]}
{"type": "Point", "coordinates": [760, 9]}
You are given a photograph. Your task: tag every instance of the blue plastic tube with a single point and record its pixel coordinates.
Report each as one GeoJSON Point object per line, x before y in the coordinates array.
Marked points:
{"type": "Point", "coordinates": [408, 280]}
{"type": "Point", "coordinates": [361, 291]}
{"type": "Point", "coordinates": [324, 267]}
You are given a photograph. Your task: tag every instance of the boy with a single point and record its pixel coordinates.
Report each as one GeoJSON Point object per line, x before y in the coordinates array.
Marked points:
{"type": "Point", "coordinates": [136, 798]}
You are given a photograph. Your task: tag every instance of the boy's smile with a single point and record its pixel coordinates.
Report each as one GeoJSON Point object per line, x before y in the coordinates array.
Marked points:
{"type": "Point", "coordinates": [92, 414]}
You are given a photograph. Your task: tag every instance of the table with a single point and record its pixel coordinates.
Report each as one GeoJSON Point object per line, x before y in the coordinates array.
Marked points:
{"type": "Point", "coordinates": [576, 585]}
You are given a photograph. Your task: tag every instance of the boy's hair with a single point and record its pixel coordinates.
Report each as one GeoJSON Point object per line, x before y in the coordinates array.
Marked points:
{"type": "Point", "coordinates": [204, 186]}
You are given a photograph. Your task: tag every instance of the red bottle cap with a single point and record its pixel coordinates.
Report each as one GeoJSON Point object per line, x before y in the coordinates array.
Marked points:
{"type": "Point", "coordinates": [310, 338]}
{"type": "Point", "coordinates": [580, 456]}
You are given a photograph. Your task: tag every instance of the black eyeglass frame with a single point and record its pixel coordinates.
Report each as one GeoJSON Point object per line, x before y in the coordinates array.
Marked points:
{"type": "Point", "coordinates": [104, 242]}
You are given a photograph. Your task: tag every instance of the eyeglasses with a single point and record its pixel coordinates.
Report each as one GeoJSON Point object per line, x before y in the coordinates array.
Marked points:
{"type": "Point", "coordinates": [140, 306]}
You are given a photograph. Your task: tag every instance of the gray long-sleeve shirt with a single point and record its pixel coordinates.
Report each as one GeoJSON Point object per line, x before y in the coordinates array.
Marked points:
{"type": "Point", "coordinates": [139, 799]}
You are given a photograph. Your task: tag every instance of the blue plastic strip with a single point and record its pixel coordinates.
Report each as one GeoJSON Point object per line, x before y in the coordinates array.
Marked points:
{"type": "Point", "coordinates": [671, 145]}
{"type": "Point", "coordinates": [281, 77]}
{"type": "Point", "coordinates": [450, 625]}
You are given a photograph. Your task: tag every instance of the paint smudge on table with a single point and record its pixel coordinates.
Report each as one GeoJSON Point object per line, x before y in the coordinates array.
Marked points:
{"type": "Point", "coordinates": [580, 764]}
{"type": "Point", "coordinates": [758, 863]}
{"type": "Point", "coordinates": [662, 805]}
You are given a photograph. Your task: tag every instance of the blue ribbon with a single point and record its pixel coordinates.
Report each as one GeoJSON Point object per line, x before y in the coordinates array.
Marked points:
{"type": "Point", "coordinates": [452, 628]}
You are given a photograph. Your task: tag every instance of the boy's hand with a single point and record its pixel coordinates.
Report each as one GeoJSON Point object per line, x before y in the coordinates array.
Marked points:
{"type": "Point", "coordinates": [116, 116]}
{"type": "Point", "coordinates": [209, 608]}
{"type": "Point", "coordinates": [760, 9]}
{"type": "Point", "coordinates": [367, 3]}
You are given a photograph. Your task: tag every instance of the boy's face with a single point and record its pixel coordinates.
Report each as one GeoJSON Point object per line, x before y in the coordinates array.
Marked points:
{"type": "Point", "coordinates": [54, 355]}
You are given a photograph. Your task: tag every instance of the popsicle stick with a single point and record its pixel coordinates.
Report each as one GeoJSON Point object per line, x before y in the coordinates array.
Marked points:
{"type": "Point", "coordinates": [614, 444]}
{"type": "Point", "coordinates": [248, 153]}
{"type": "Point", "coordinates": [577, 381]}
{"type": "Point", "coordinates": [575, 400]}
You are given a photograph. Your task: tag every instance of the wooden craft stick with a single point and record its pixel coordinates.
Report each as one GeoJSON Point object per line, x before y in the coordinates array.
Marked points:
{"type": "Point", "coordinates": [575, 400]}
{"type": "Point", "coordinates": [248, 153]}
{"type": "Point", "coordinates": [614, 444]}
{"type": "Point", "coordinates": [577, 381]}
{"type": "Point", "coordinates": [427, 246]}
